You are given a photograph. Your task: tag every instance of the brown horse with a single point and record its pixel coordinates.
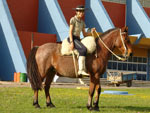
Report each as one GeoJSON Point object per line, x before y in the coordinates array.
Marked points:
{"type": "Point", "coordinates": [45, 61]}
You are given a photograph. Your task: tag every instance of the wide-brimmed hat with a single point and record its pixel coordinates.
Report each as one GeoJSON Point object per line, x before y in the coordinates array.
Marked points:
{"type": "Point", "coordinates": [80, 8]}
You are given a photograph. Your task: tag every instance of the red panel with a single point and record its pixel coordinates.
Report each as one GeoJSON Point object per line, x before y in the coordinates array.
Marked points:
{"type": "Point", "coordinates": [67, 5]}
{"type": "Point", "coordinates": [25, 38]}
{"type": "Point", "coordinates": [116, 12]}
{"type": "Point", "coordinates": [39, 39]}
{"type": "Point", "coordinates": [24, 14]}
{"type": "Point", "coordinates": [147, 10]}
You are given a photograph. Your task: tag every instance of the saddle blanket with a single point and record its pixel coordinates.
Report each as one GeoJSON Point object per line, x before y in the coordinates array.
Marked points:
{"type": "Point", "coordinates": [88, 42]}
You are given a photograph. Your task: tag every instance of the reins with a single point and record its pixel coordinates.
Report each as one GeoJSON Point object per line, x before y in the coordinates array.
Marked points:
{"type": "Point", "coordinates": [74, 62]}
{"type": "Point", "coordinates": [120, 58]}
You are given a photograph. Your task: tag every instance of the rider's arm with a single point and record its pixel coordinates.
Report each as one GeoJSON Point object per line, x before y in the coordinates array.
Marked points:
{"type": "Point", "coordinates": [87, 33]}
{"type": "Point", "coordinates": [70, 33]}
{"type": "Point", "coordinates": [71, 37]}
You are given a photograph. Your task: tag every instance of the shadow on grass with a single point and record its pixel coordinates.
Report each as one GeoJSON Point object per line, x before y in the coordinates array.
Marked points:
{"type": "Point", "coordinates": [79, 107]}
{"type": "Point", "coordinates": [111, 107]}
{"type": "Point", "coordinates": [58, 107]}
{"type": "Point", "coordinates": [131, 108]}
{"type": "Point", "coordinates": [140, 109]}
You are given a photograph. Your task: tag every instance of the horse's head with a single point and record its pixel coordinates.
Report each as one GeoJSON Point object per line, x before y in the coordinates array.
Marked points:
{"type": "Point", "coordinates": [123, 42]}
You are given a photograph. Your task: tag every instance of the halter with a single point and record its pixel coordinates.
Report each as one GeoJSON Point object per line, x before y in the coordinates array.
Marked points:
{"type": "Point", "coordinates": [120, 58]}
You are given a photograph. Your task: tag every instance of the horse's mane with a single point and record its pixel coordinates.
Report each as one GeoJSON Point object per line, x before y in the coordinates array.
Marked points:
{"type": "Point", "coordinates": [103, 35]}
{"type": "Point", "coordinates": [107, 32]}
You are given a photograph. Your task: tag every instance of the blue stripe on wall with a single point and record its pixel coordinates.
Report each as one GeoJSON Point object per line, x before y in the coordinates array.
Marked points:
{"type": "Point", "coordinates": [137, 20]}
{"type": "Point", "coordinates": [51, 19]}
{"type": "Point", "coordinates": [13, 55]}
{"type": "Point", "coordinates": [6, 64]}
{"type": "Point", "coordinates": [97, 16]}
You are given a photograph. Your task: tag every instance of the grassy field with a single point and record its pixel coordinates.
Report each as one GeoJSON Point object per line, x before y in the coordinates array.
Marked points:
{"type": "Point", "coordinates": [71, 100]}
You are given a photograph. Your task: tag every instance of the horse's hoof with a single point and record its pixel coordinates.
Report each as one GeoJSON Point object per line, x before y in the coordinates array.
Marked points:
{"type": "Point", "coordinates": [37, 106]}
{"type": "Point", "coordinates": [50, 105]}
{"type": "Point", "coordinates": [89, 108]}
{"type": "Point", "coordinates": [96, 108]}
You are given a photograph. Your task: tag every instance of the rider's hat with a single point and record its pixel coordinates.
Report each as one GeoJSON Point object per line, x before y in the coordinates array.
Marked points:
{"type": "Point", "coordinates": [80, 8]}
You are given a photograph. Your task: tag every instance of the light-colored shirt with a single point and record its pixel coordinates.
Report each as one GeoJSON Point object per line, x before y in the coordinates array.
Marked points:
{"type": "Point", "coordinates": [78, 25]}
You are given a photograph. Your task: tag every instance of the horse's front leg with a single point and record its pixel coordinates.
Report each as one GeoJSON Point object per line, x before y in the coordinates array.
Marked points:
{"type": "Point", "coordinates": [35, 101]}
{"type": "Point", "coordinates": [98, 91]}
{"type": "Point", "coordinates": [91, 93]}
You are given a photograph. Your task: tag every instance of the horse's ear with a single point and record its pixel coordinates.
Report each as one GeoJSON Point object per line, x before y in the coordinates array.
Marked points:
{"type": "Point", "coordinates": [124, 29]}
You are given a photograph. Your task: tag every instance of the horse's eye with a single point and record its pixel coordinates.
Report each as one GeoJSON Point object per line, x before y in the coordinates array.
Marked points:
{"type": "Point", "coordinates": [128, 41]}
{"type": "Point", "coordinates": [126, 38]}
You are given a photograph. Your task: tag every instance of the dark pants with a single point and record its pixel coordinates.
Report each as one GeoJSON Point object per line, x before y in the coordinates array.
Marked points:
{"type": "Point", "coordinates": [79, 46]}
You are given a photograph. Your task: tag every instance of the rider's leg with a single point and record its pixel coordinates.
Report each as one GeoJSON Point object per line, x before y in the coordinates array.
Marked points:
{"type": "Point", "coordinates": [82, 53]}
{"type": "Point", "coordinates": [81, 62]}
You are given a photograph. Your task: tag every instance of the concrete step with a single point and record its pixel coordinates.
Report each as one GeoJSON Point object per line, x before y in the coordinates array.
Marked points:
{"type": "Point", "coordinates": [84, 81]}
{"type": "Point", "coordinates": [103, 81]}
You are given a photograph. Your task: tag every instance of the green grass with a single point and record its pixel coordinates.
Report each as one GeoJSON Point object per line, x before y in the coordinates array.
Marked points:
{"type": "Point", "coordinates": [68, 100]}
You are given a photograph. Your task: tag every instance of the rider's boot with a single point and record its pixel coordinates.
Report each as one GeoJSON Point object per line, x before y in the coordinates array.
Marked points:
{"type": "Point", "coordinates": [81, 62]}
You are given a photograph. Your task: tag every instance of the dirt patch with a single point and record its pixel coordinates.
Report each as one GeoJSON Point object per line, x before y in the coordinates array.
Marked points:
{"type": "Point", "coordinates": [27, 84]}
{"type": "Point", "coordinates": [14, 84]}
{"type": "Point", "coordinates": [74, 85]}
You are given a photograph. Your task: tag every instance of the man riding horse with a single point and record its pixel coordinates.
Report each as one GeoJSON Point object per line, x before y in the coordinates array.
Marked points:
{"type": "Point", "coordinates": [77, 25]}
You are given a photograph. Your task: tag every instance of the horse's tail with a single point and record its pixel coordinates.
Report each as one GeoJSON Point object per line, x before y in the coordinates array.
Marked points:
{"type": "Point", "coordinates": [33, 72]}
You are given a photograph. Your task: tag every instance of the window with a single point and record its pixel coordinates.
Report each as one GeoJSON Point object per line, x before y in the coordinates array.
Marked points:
{"type": "Point", "coordinates": [130, 67]}
{"type": "Point", "coordinates": [124, 66]}
{"type": "Point", "coordinates": [134, 59]}
{"type": "Point", "coordinates": [138, 76]}
{"type": "Point", "coordinates": [130, 59]}
{"type": "Point", "coordinates": [134, 67]}
{"type": "Point", "coordinates": [144, 60]}
{"type": "Point", "coordinates": [132, 64]}
{"type": "Point", "coordinates": [140, 66]}
{"type": "Point", "coordinates": [144, 67]}
{"type": "Point", "coordinates": [119, 66]}
{"type": "Point", "coordinates": [141, 77]}
{"type": "Point", "coordinates": [114, 65]}
{"type": "Point", "coordinates": [109, 65]}
{"type": "Point", "coordinates": [140, 60]}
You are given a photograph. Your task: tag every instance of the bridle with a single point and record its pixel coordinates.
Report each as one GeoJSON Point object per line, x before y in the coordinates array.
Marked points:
{"type": "Point", "coordinates": [120, 58]}
{"type": "Point", "coordinates": [123, 42]}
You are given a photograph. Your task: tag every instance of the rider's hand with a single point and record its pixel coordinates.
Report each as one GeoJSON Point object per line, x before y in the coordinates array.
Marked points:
{"type": "Point", "coordinates": [71, 46]}
{"type": "Point", "coordinates": [93, 29]}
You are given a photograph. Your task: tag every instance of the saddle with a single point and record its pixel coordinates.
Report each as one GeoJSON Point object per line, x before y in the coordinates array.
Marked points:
{"type": "Point", "coordinates": [88, 42]}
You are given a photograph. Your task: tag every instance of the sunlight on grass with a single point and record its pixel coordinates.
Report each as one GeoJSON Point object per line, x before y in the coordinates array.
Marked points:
{"type": "Point", "coordinates": [69, 100]}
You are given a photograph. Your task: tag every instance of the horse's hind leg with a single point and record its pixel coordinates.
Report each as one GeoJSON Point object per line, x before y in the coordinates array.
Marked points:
{"type": "Point", "coordinates": [49, 78]}
{"type": "Point", "coordinates": [35, 101]}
